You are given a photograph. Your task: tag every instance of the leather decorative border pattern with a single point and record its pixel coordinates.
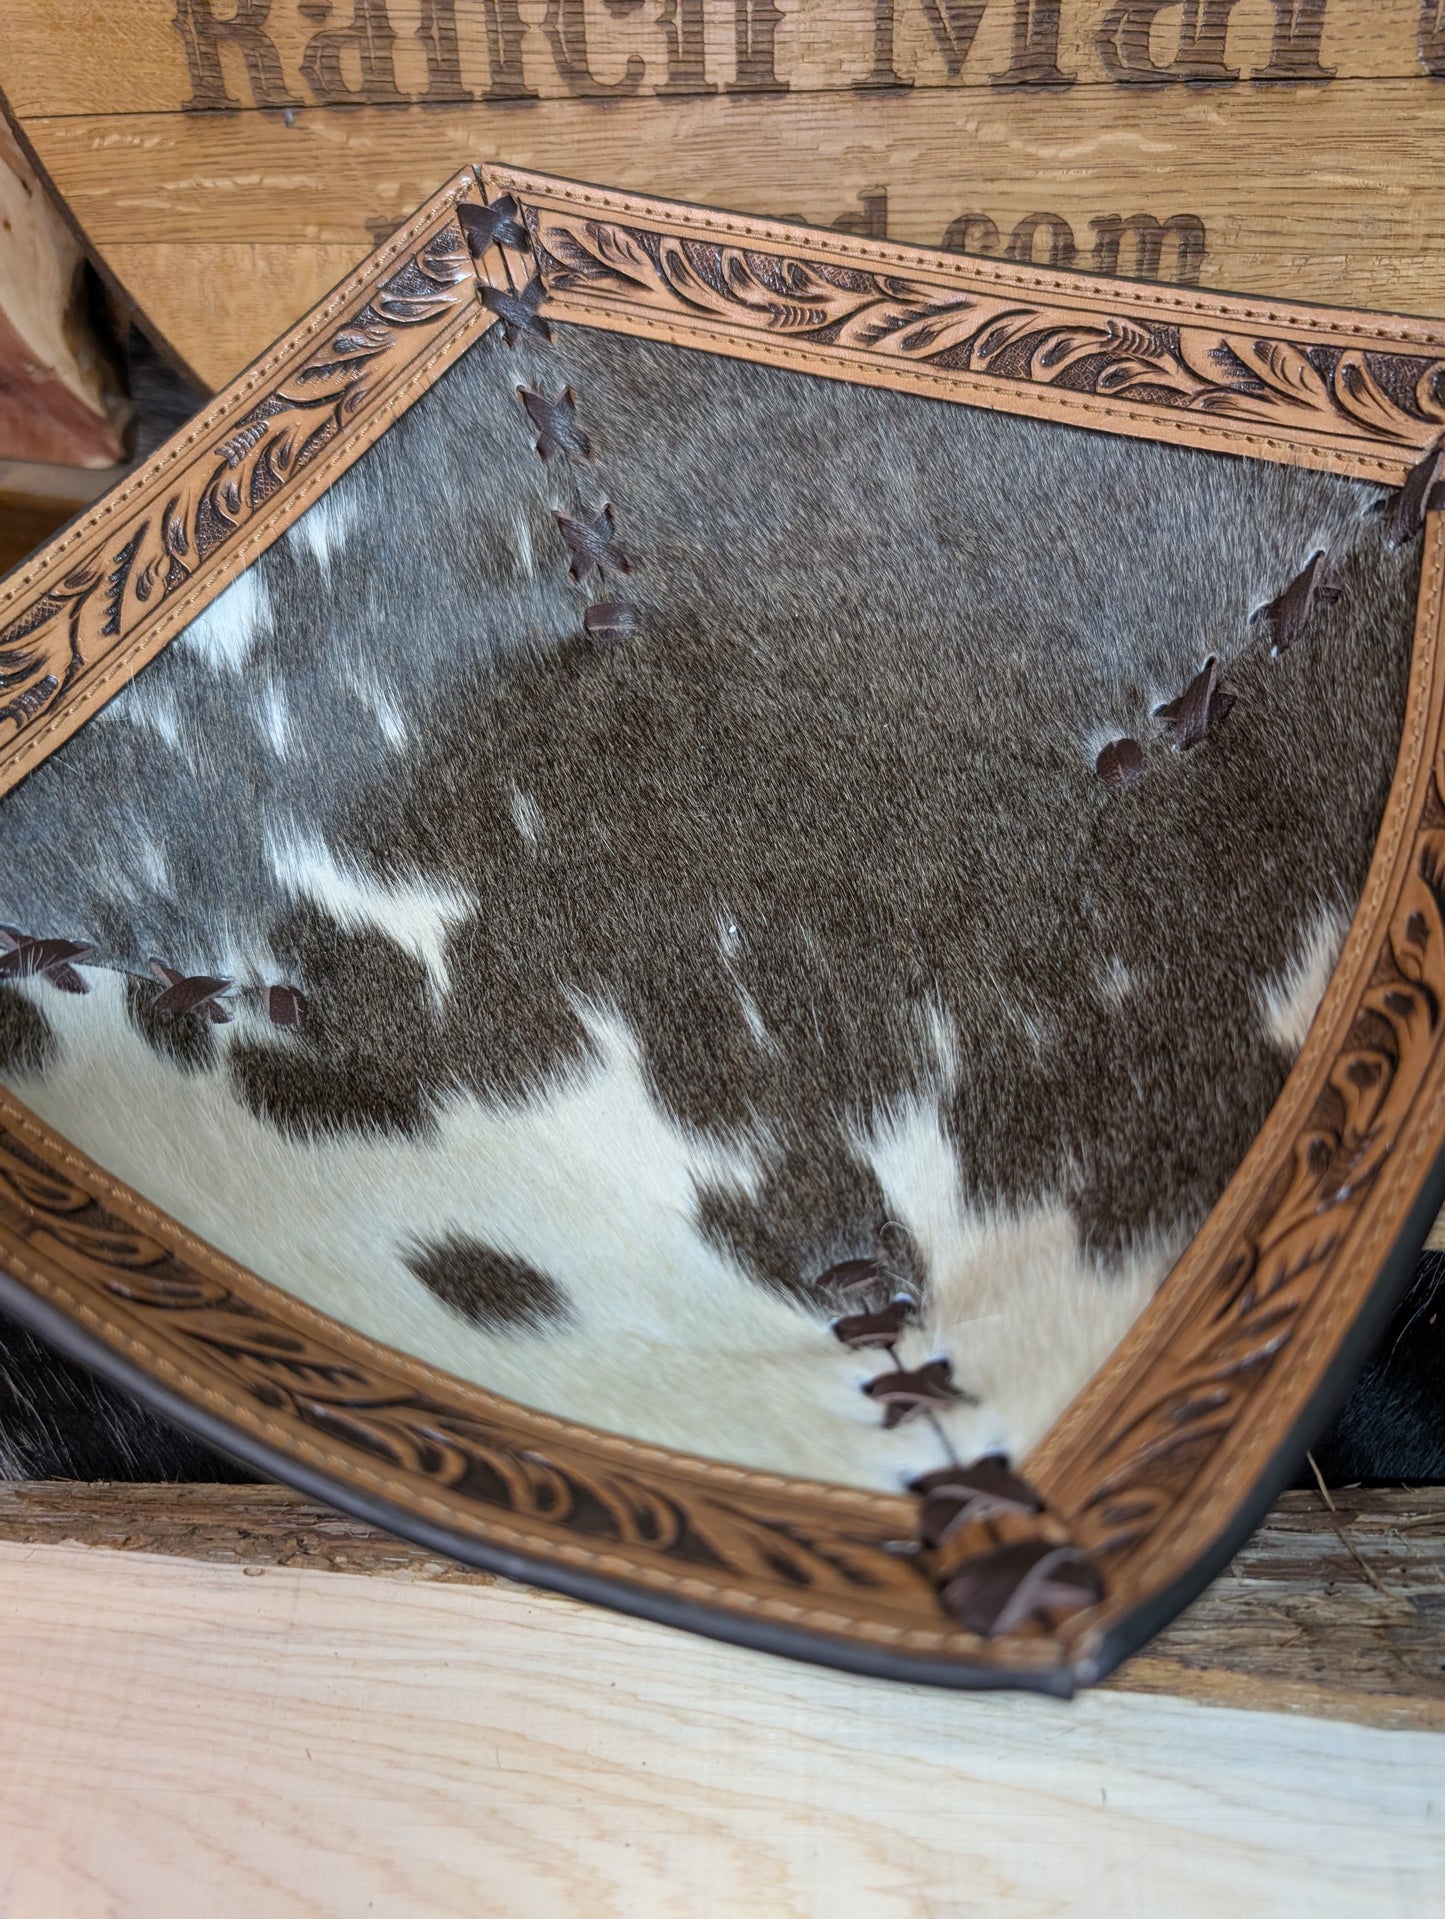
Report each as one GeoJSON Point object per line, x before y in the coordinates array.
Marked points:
{"type": "Point", "coordinates": [1149, 1463]}
{"type": "Point", "coordinates": [1340, 391]}
{"type": "Point", "coordinates": [1163, 1456]}
{"type": "Point", "coordinates": [107, 593]}
{"type": "Point", "coordinates": [1316, 387]}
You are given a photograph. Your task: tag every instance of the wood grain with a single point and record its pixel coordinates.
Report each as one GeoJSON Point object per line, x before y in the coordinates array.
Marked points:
{"type": "Point", "coordinates": [1320, 189]}
{"type": "Point", "coordinates": [280, 282]}
{"type": "Point", "coordinates": [183, 1736]}
{"type": "Point", "coordinates": [132, 57]}
{"type": "Point", "coordinates": [1338, 1614]}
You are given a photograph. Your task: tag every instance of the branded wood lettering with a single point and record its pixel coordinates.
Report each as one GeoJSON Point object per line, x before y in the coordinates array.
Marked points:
{"type": "Point", "coordinates": [371, 37]}
{"type": "Point", "coordinates": [438, 36]}
{"type": "Point", "coordinates": [1123, 42]}
{"type": "Point", "coordinates": [1149, 236]}
{"type": "Point", "coordinates": [1047, 239]}
{"type": "Point", "coordinates": [954, 23]}
{"type": "Point", "coordinates": [285, 51]}
{"type": "Point", "coordinates": [203, 37]}
{"type": "Point", "coordinates": [681, 22]}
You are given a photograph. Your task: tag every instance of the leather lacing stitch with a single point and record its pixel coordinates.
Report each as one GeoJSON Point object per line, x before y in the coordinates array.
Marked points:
{"type": "Point", "coordinates": [591, 543]}
{"type": "Point", "coordinates": [997, 1559]}
{"type": "Point", "coordinates": [200, 996]}
{"type": "Point", "coordinates": [903, 1394]}
{"type": "Point", "coordinates": [22, 956]}
{"type": "Point", "coordinates": [1206, 702]}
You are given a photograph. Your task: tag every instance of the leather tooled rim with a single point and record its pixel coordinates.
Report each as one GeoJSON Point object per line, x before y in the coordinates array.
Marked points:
{"type": "Point", "coordinates": [1144, 1468]}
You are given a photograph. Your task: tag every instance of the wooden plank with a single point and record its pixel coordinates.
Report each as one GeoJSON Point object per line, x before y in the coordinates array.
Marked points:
{"type": "Point", "coordinates": [145, 56]}
{"type": "Point", "coordinates": [336, 177]}
{"type": "Point", "coordinates": [1328, 199]}
{"type": "Point", "coordinates": [268, 288]}
{"type": "Point", "coordinates": [1340, 1615]}
{"type": "Point", "coordinates": [1337, 1612]}
{"type": "Point", "coordinates": [317, 133]}
{"type": "Point", "coordinates": [180, 1737]}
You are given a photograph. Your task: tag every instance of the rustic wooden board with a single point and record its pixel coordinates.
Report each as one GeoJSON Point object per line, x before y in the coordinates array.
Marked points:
{"type": "Point", "coordinates": [238, 1733]}
{"type": "Point", "coordinates": [146, 55]}
{"type": "Point", "coordinates": [226, 165]}
{"type": "Point", "coordinates": [1339, 1614]}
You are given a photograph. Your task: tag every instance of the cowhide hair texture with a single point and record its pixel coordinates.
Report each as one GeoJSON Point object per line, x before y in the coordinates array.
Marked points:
{"type": "Point", "coordinates": [656, 962]}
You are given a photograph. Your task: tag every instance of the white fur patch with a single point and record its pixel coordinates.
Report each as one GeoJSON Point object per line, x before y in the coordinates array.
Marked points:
{"type": "Point", "coordinates": [592, 1184]}
{"type": "Point", "coordinates": [526, 815]}
{"type": "Point", "coordinates": [1023, 1315]}
{"type": "Point", "coordinates": [753, 1019]}
{"type": "Point", "coordinates": [144, 869]}
{"type": "Point", "coordinates": [222, 634]}
{"type": "Point", "coordinates": [324, 527]}
{"type": "Point", "coordinates": [1114, 982]}
{"type": "Point", "coordinates": [588, 1181]}
{"type": "Point", "coordinates": [389, 719]}
{"type": "Point", "coordinates": [273, 717]}
{"type": "Point", "coordinates": [1290, 1000]}
{"type": "Point", "coordinates": [417, 915]}
{"type": "Point", "coordinates": [374, 696]}
{"type": "Point", "coordinates": [145, 702]}
{"type": "Point", "coordinates": [730, 945]}
{"type": "Point", "coordinates": [525, 555]}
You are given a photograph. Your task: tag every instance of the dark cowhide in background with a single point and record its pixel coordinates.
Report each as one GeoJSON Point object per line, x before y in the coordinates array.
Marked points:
{"type": "Point", "coordinates": [653, 970]}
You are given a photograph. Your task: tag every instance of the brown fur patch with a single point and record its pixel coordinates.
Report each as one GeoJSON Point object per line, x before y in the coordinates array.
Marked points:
{"type": "Point", "coordinates": [185, 1040]}
{"type": "Point", "coordinates": [489, 1288]}
{"type": "Point", "coordinates": [26, 1040]}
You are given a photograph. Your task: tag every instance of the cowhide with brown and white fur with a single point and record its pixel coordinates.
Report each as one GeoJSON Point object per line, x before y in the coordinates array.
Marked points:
{"type": "Point", "coordinates": [648, 976]}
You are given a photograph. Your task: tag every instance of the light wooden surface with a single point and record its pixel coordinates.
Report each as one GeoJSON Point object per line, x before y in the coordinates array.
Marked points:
{"type": "Point", "coordinates": [302, 1718]}
{"type": "Point", "coordinates": [1309, 171]}
{"type": "Point", "coordinates": [1339, 1614]}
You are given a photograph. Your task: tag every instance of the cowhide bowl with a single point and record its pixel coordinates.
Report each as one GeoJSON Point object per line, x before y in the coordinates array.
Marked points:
{"type": "Point", "coordinates": [744, 920]}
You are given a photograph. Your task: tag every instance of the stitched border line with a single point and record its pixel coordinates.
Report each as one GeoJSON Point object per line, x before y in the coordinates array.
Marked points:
{"type": "Point", "coordinates": [1356, 427]}
{"type": "Point", "coordinates": [781, 1498]}
{"type": "Point", "coordinates": [963, 268]}
{"type": "Point", "coordinates": [1116, 1461]}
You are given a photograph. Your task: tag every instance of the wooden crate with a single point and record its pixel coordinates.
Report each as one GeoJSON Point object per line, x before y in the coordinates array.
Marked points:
{"type": "Point", "coordinates": [228, 160]}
